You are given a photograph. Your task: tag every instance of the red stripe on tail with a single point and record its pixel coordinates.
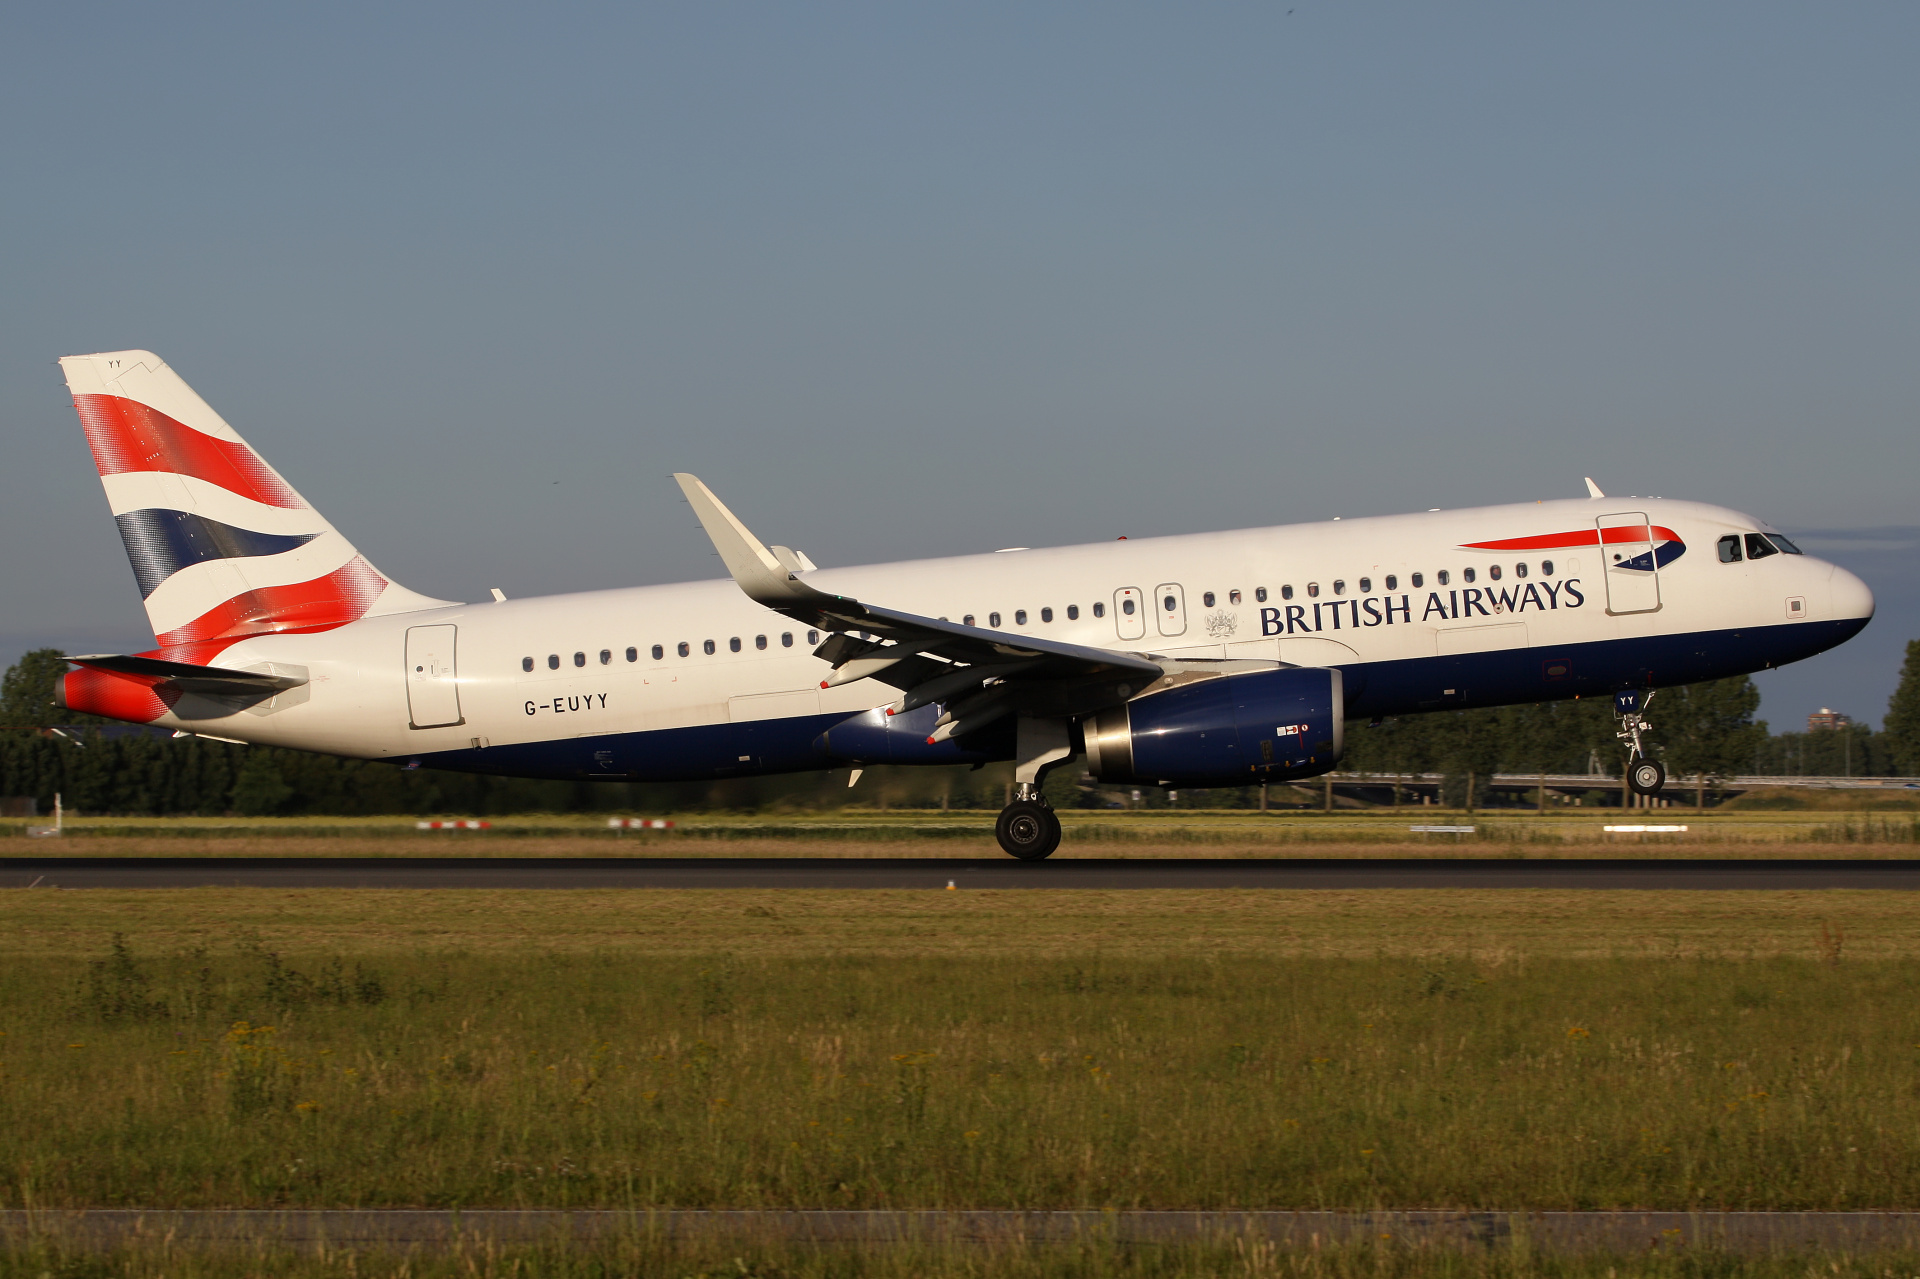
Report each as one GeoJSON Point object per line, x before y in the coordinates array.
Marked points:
{"type": "Point", "coordinates": [131, 697]}
{"type": "Point", "coordinates": [127, 697]}
{"type": "Point", "coordinates": [126, 435]}
{"type": "Point", "coordinates": [342, 596]}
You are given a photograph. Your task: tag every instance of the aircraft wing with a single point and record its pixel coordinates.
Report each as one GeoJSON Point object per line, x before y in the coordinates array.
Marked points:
{"type": "Point", "coordinates": [980, 674]}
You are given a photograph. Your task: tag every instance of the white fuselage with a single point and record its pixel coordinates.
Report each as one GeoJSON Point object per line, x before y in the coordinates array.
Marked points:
{"type": "Point", "coordinates": [1304, 594]}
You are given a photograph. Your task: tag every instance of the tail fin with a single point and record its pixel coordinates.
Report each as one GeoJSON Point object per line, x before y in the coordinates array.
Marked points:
{"type": "Point", "coordinates": [222, 547]}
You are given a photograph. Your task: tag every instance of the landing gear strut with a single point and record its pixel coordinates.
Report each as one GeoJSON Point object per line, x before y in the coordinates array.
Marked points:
{"type": "Point", "coordinates": [1644, 776]}
{"type": "Point", "coordinates": [1028, 827]}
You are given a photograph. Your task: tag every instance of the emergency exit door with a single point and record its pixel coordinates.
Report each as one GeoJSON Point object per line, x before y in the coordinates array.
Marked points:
{"type": "Point", "coordinates": [1170, 608]}
{"type": "Point", "coordinates": [433, 686]}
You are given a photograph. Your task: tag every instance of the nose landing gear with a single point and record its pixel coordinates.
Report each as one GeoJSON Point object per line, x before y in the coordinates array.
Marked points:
{"type": "Point", "coordinates": [1644, 776]}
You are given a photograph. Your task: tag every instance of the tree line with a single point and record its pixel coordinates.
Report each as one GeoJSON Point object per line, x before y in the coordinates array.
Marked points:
{"type": "Point", "coordinates": [1705, 730]}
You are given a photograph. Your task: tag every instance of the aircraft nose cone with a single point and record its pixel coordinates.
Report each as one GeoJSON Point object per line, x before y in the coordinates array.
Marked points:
{"type": "Point", "coordinates": [1847, 595]}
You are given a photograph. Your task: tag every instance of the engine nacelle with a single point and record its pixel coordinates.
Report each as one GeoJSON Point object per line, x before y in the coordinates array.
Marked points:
{"type": "Point", "coordinates": [1233, 730]}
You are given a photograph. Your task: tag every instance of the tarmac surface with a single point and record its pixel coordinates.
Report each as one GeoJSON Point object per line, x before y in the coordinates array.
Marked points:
{"type": "Point", "coordinates": [1618, 1232]}
{"type": "Point", "coordinates": [942, 872]}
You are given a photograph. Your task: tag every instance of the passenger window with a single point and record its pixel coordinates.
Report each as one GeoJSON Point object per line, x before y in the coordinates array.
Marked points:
{"type": "Point", "coordinates": [1170, 603]}
{"type": "Point", "coordinates": [1073, 613]}
{"type": "Point", "coordinates": [685, 651]}
{"type": "Point", "coordinates": [1313, 590]}
{"type": "Point", "coordinates": [1493, 573]}
{"type": "Point", "coordinates": [1099, 610]}
{"type": "Point", "coordinates": [1206, 600]}
{"type": "Point", "coordinates": [1758, 548]}
{"type": "Point", "coordinates": [1126, 606]}
{"type": "Point", "coordinates": [760, 642]}
{"type": "Point", "coordinates": [1419, 580]}
{"type": "Point", "coordinates": [1260, 594]}
{"type": "Point", "coordinates": [526, 663]}
{"type": "Point", "coordinates": [606, 657]}
{"type": "Point", "coordinates": [967, 620]}
{"type": "Point", "coordinates": [1046, 615]}
{"type": "Point", "coordinates": [993, 621]}
{"type": "Point", "coordinates": [813, 637]}
{"type": "Point", "coordinates": [1546, 568]}
{"type": "Point", "coordinates": [579, 659]}
{"type": "Point", "coordinates": [633, 655]}
{"type": "Point", "coordinates": [553, 661]}
{"type": "Point", "coordinates": [1393, 583]}
{"type": "Point", "coordinates": [1466, 575]}
{"type": "Point", "coordinates": [1783, 544]}
{"type": "Point", "coordinates": [1441, 577]}
{"type": "Point", "coordinates": [1730, 549]}
{"type": "Point", "coordinates": [658, 652]}
{"type": "Point", "coordinates": [1233, 597]}
{"type": "Point", "coordinates": [1020, 617]}
{"type": "Point", "coordinates": [709, 647]}
{"type": "Point", "coordinates": [786, 639]}
{"type": "Point", "coordinates": [733, 645]}
{"type": "Point", "coordinates": [1339, 587]}
{"type": "Point", "coordinates": [1286, 592]}
{"type": "Point", "coordinates": [1366, 586]}
{"type": "Point", "coordinates": [1520, 569]}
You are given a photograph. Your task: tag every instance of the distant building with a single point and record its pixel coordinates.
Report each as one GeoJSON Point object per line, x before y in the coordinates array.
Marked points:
{"type": "Point", "coordinates": [1827, 719]}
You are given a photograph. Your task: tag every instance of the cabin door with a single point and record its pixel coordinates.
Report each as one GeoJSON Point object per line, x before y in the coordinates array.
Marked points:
{"type": "Point", "coordinates": [1627, 559]}
{"type": "Point", "coordinates": [433, 688]}
{"type": "Point", "coordinates": [1130, 613]}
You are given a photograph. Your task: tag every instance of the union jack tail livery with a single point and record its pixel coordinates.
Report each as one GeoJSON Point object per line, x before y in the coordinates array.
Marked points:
{"type": "Point", "coordinates": [222, 547]}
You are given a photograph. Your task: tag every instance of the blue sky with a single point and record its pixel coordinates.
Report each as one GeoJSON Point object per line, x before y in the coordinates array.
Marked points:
{"type": "Point", "coordinates": [903, 280]}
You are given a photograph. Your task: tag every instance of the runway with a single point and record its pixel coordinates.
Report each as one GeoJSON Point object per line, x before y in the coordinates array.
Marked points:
{"type": "Point", "coordinates": [961, 873]}
{"type": "Point", "coordinates": [1749, 1233]}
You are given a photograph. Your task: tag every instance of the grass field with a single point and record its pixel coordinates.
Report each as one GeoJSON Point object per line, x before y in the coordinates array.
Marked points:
{"type": "Point", "coordinates": [979, 1049]}
{"type": "Point", "coordinates": [1013, 1259]}
{"type": "Point", "coordinates": [748, 1259]}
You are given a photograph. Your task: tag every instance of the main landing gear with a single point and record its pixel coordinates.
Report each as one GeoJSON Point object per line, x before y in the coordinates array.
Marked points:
{"type": "Point", "coordinates": [1028, 827]}
{"type": "Point", "coordinates": [1644, 776]}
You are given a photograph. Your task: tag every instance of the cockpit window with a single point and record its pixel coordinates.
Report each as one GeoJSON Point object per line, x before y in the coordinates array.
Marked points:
{"type": "Point", "coordinates": [1758, 547]}
{"type": "Point", "coordinates": [1783, 544]}
{"type": "Point", "coordinates": [1730, 549]}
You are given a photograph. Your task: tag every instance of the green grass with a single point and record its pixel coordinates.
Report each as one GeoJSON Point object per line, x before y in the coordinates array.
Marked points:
{"type": "Point", "coordinates": [960, 1050]}
{"type": "Point", "coordinates": [1011, 1259]}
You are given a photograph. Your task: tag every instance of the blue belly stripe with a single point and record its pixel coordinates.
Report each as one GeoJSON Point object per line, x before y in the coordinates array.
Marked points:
{"type": "Point", "coordinates": [1541, 673]}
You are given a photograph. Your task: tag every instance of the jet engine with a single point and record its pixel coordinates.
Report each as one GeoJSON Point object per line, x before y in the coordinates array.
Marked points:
{"type": "Point", "coordinates": [1228, 730]}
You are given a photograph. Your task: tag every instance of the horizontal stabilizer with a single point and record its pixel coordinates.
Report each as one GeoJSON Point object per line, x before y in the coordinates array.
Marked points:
{"type": "Point", "coordinates": [188, 678]}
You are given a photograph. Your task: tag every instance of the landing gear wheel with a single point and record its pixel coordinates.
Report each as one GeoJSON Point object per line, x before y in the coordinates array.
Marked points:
{"type": "Point", "coordinates": [1028, 830]}
{"type": "Point", "coordinates": [1646, 776]}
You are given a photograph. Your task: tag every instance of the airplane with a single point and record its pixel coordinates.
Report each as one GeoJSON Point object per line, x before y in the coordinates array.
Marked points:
{"type": "Point", "coordinates": [1209, 659]}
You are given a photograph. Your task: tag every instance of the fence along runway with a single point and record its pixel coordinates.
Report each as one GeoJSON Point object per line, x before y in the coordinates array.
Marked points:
{"type": "Point", "coordinates": [1565, 1232]}
{"type": "Point", "coordinates": [960, 873]}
